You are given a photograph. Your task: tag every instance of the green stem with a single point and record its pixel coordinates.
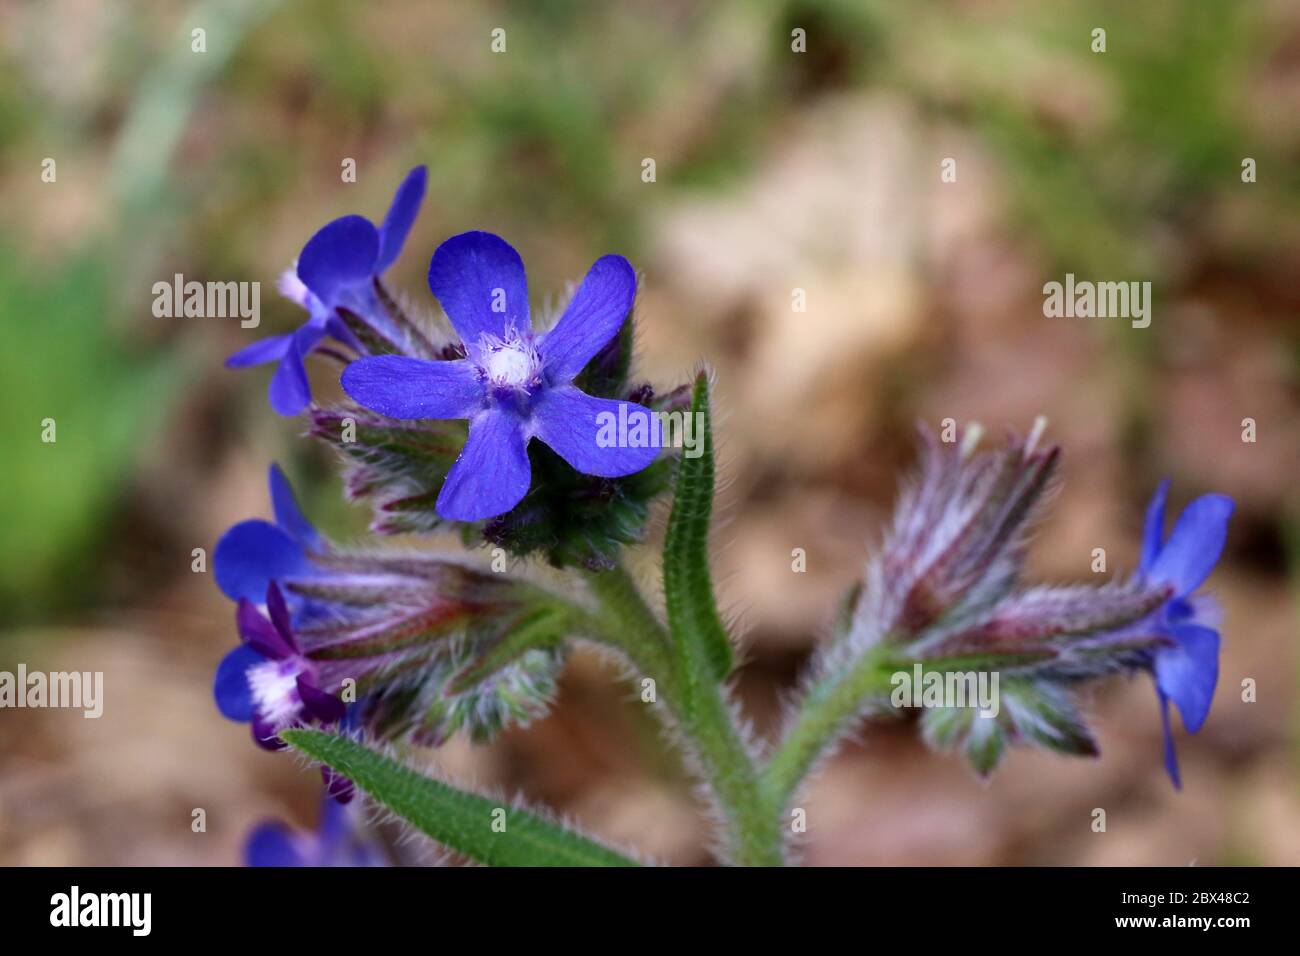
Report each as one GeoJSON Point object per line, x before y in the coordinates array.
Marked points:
{"type": "Point", "coordinates": [626, 622]}
{"type": "Point", "coordinates": [831, 704]}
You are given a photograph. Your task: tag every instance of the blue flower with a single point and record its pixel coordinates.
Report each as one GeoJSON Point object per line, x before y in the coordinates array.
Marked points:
{"type": "Point", "coordinates": [268, 681]}
{"type": "Point", "coordinates": [337, 842]}
{"type": "Point", "coordinates": [333, 620]}
{"type": "Point", "coordinates": [1186, 669]}
{"type": "Point", "coordinates": [337, 268]}
{"type": "Point", "coordinates": [515, 384]}
{"type": "Point", "coordinates": [254, 554]}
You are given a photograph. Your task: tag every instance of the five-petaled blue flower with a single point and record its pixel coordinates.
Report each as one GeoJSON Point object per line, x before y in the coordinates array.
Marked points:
{"type": "Point", "coordinates": [336, 842]}
{"type": "Point", "coordinates": [515, 384]}
{"type": "Point", "coordinates": [1187, 668]}
{"type": "Point", "coordinates": [337, 268]}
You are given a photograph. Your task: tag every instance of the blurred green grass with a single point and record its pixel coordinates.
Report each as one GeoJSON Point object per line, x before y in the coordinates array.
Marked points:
{"type": "Point", "coordinates": [105, 398]}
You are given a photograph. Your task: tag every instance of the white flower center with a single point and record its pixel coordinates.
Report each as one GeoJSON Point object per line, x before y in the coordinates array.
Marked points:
{"type": "Point", "coordinates": [275, 691]}
{"type": "Point", "coordinates": [292, 288]}
{"type": "Point", "coordinates": [511, 365]}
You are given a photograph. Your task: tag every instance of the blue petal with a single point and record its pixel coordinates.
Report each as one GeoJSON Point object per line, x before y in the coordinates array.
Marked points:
{"type": "Point", "coordinates": [1194, 545]}
{"type": "Point", "coordinates": [400, 218]}
{"type": "Point", "coordinates": [290, 392]}
{"type": "Point", "coordinates": [230, 688]}
{"type": "Point", "coordinates": [336, 327]}
{"type": "Point", "coordinates": [263, 350]}
{"type": "Point", "coordinates": [266, 734]}
{"type": "Point", "coordinates": [596, 435]}
{"type": "Point", "coordinates": [320, 704]}
{"type": "Point", "coordinates": [1178, 610]}
{"type": "Point", "coordinates": [401, 387]}
{"type": "Point", "coordinates": [492, 473]}
{"type": "Point", "coordinates": [341, 255]}
{"type": "Point", "coordinates": [470, 273]}
{"type": "Point", "coordinates": [251, 555]}
{"type": "Point", "coordinates": [1171, 755]}
{"type": "Point", "coordinates": [277, 608]}
{"type": "Point", "coordinates": [335, 825]}
{"type": "Point", "coordinates": [287, 513]}
{"type": "Point", "coordinates": [340, 790]}
{"type": "Point", "coordinates": [273, 844]}
{"type": "Point", "coordinates": [1187, 672]}
{"type": "Point", "coordinates": [597, 312]}
{"type": "Point", "coordinates": [1153, 530]}
{"type": "Point", "coordinates": [260, 634]}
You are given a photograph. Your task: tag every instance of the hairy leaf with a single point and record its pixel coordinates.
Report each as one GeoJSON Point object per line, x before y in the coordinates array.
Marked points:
{"type": "Point", "coordinates": [688, 587]}
{"type": "Point", "coordinates": [474, 825]}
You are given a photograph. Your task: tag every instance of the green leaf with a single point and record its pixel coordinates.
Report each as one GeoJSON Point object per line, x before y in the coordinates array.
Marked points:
{"type": "Point", "coordinates": [688, 587]}
{"type": "Point", "coordinates": [462, 821]}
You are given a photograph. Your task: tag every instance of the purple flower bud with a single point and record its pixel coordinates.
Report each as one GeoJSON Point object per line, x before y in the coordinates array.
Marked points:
{"type": "Point", "coordinates": [957, 543]}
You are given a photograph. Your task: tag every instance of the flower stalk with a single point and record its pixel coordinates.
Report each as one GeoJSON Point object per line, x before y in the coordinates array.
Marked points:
{"type": "Point", "coordinates": [700, 712]}
{"type": "Point", "coordinates": [829, 707]}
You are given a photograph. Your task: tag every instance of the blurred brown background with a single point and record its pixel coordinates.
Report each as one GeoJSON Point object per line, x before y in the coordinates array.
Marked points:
{"type": "Point", "coordinates": [776, 171]}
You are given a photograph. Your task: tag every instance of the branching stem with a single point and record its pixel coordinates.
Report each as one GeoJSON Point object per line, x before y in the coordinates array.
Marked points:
{"type": "Point", "coordinates": [626, 622]}
{"type": "Point", "coordinates": [830, 705]}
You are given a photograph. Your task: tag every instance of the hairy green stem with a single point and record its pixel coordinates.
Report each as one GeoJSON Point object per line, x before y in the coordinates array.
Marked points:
{"type": "Point", "coordinates": [830, 705]}
{"type": "Point", "coordinates": [626, 622]}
